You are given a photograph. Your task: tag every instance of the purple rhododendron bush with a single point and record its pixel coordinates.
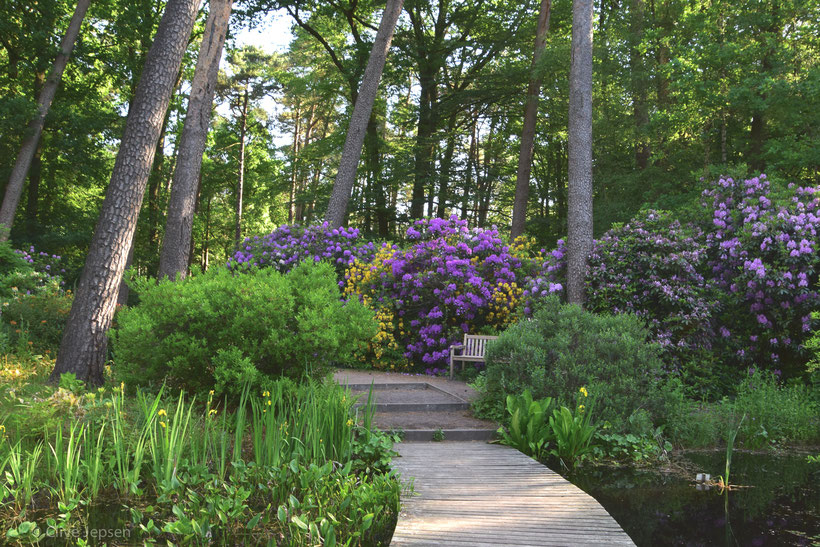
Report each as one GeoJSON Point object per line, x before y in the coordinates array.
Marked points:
{"type": "Point", "coordinates": [731, 290]}
{"type": "Point", "coordinates": [449, 281]}
{"type": "Point", "coordinates": [288, 245]}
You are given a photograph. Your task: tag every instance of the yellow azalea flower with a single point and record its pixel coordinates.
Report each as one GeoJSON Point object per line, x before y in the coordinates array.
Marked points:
{"type": "Point", "coordinates": [583, 391]}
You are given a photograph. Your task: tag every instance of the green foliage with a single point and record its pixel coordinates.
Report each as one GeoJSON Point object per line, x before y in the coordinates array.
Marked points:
{"type": "Point", "coordinates": [563, 348]}
{"type": "Point", "coordinates": [572, 432]}
{"type": "Point", "coordinates": [630, 447]}
{"type": "Point", "coordinates": [69, 381]}
{"type": "Point", "coordinates": [40, 317]}
{"type": "Point", "coordinates": [214, 330]}
{"type": "Point", "coordinates": [299, 455]}
{"type": "Point", "coordinates": [528, 431]}
{"type": "Point", "coordinates": [775, 414]}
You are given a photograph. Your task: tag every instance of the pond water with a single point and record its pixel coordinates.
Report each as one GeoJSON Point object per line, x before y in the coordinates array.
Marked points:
{"type": "Point", "coordinates": [780, 507]}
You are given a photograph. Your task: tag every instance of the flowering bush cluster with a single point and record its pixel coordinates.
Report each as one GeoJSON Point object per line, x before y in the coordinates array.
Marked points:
{"type": "Point", "coordinates": [28, 272]}
{"type": "Point", "coordinates": [288, 245]}
{"type": "Point", "coordinates": [736, 283]}
{"type": "Point", "coordinates": [763, 258]}
{"type": "Point", "coordinates": [450, 281]}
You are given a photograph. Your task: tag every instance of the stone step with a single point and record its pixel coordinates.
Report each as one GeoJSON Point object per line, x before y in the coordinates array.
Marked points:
{"type": "Point", "coordinates": [425, 435]}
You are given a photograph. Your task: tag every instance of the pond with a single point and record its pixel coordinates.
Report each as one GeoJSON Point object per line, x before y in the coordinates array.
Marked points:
{"type": "Point", "coordinates": [780, 507]}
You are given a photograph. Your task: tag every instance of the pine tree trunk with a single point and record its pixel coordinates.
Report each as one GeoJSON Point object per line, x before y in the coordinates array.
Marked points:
{"type": "Point", "coordinates": [175, 255]}
{"type": "Point", "coordinates": [352, 151]}
{"type": "Point", "coordinates": [293, 164]}
{"type": "Point", "coordinates": [14, 189]}
{"type": "Point", "coordinates": [446, 168]}
{"type": "Point", "coordinates": [579, 221]}
{"type": "Point", "coordinates": [83, 350]}
{"type": "Point", "coordinates": [640, 83]}
{"type": "Point", "coordinates": [424, 143]}
{"type": "Point", "coordinates": [240, 183]}
{"type": "Point", "coordinates": [522, 181]}
{"type": "Point", "coordinates": [468, 179]}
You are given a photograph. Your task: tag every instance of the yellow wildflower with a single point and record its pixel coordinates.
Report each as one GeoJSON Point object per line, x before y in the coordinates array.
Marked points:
{"type": "Point", "coordinates": [583, 391]}
{"type": "Point", "coordinates": [162, 424]}
{"type": "Point", "coordinates": [162, 412]}
{"type": "Point", "coordinates": [212, 412]}
{"type": "Point", "coordinates": [350, 422]}
{"type": "Point", "coordinates": [581, 407]}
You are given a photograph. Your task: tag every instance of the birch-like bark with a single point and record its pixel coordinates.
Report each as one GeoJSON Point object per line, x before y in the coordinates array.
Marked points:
{"type": "Point", "coordinates": [579, 199]}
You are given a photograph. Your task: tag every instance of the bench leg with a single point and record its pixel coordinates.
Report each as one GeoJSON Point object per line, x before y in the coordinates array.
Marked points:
{"type": "Point", "coordinates": [451, 364]}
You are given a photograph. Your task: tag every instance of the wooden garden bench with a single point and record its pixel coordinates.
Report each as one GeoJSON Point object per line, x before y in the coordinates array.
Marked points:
{"type": "Point", "coordinates": [473, 349]}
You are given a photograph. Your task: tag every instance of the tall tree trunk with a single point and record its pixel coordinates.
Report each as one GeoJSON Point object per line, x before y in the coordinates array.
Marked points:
{"type": "Point", "coordinates": [176, 247]}
{"type": "Point", "coordinates": [125, 291]}
{"type": "Point", "coordinates": [36, 170]}
{"type": "Point", "coordinates": [293, 175]}
{"type": "Point", "coordinates": [579, 222]}
{"type": "Point", "coordinates": [84, 344]}
{"type": "Point", "coordinates": [377, 188]}
{"type": "Point", "coordinates": [424, 142]}
{"type": "Point", "coordinates": [472, 158]}
{"type": "Point", "coordinates": [14, 189]}
{"type": "Point", "coordinates": [640, 83]}
{"type": "Point", "coordinates": [240, 183]}
{"type": "Point", "coordinates": [352, 151]}
{"type": "Point", "coordinates": [446, 168]}
{"type": "Point", "coordinates": [522, 180]}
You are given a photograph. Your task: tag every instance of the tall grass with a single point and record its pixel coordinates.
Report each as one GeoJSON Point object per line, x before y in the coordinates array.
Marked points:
{"type": "Point", "coordinates": [167, 438]}
{"type": "Point", "coordinates": [137, 445]}
{"type": "Point", "coordinates": [22, 467]}
{"type": "Point", "coordinates": [67, 468]}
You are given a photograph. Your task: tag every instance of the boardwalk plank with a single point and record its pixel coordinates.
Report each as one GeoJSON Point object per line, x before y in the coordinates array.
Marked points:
{"type": "Point", "coordinates": [478, 495]}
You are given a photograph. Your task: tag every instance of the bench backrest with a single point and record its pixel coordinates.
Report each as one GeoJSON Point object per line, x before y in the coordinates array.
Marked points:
{"type": "Point", "coordinates": [476, 344]}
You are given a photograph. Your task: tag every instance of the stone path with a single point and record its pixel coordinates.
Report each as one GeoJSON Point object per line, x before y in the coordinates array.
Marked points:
{"type": "Point", "coordinates": [473, 493]}
{"type": "Point", "coordinates": [420, 406]}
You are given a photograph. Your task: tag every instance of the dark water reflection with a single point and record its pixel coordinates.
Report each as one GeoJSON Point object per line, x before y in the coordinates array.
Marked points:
{"type": "Point", "coordinates": [654, 508]}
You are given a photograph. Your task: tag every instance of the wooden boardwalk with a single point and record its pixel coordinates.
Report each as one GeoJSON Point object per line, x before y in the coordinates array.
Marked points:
{"type": "Point", "coordinates": [476, 494]}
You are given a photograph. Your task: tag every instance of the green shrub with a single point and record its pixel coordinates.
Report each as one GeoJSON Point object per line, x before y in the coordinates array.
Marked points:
{"type": "Point", "coordinates": [40, 318]}
{"type": "Point", "coordinates": [563, 348]}
{"type": "Point", "coordinates": [205, 332]}
{"type": "Point", "coordinates": [775, 414]}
